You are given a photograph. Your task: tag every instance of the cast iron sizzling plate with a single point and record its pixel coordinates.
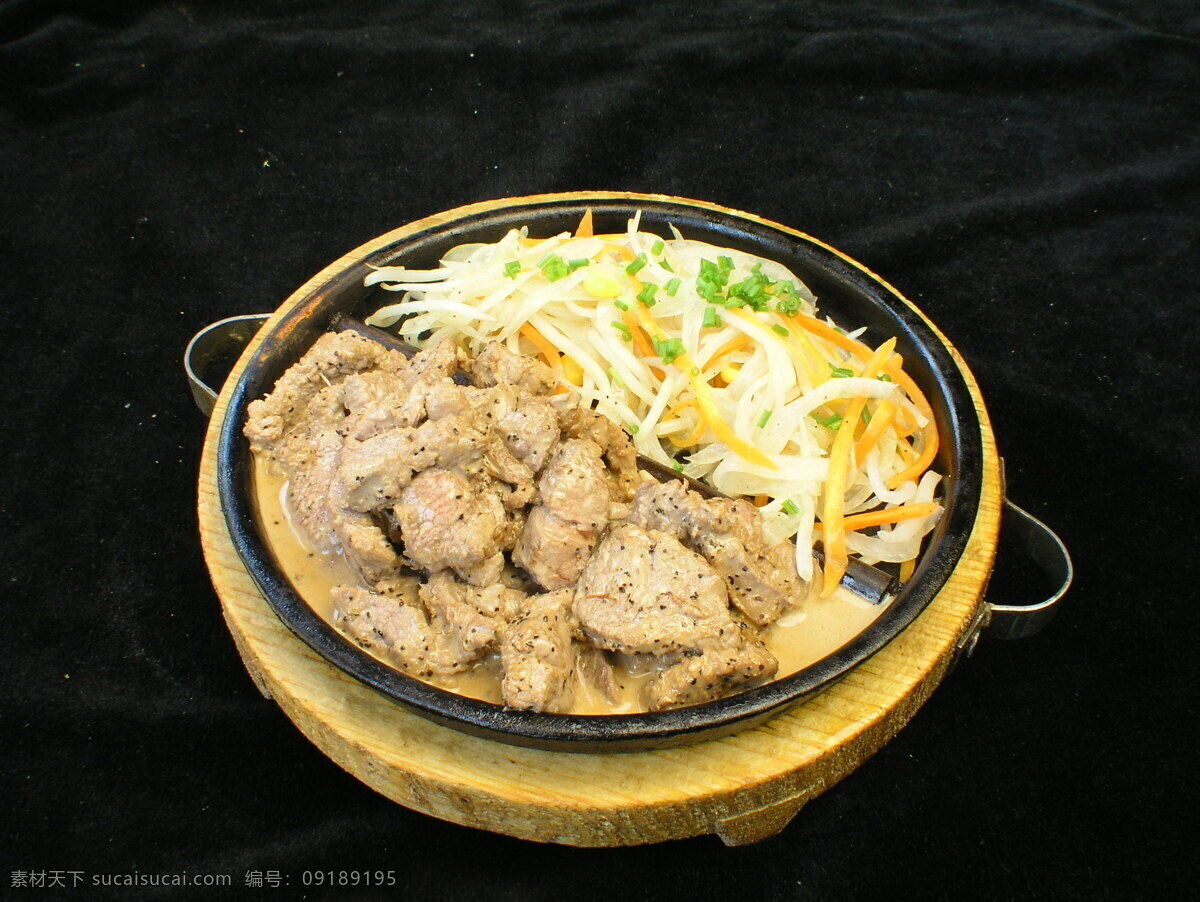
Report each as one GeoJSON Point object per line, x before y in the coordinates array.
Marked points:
{"type": "Point", "coordinates": [844, 291]}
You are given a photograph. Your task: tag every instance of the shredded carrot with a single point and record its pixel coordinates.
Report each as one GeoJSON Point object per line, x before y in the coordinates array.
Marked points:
{"type": "Point", "coordinates": [761, 500]}
{"type": "Point", "coordinates": [639, 337]}
{"type": "Point", "coordinates": [542, 344]}
{"type": "Point", "coordinates": [907, 568]}
{"type": "Point", "coordinates": [830, 334]}
{"type": "Point", "coordinates": [734, 344]}
{"type": "Point", "coordinates": [836, 556]}
{"type": "Point", "coordinates": [928, 452]}
{"type": "Point", "coordinates": [886, 515]}
{"type": "Point", "coordinates": [624, 253]}
{"type": "Point", "coordinates": [584, 229]}
{"type": "Point", "coordinates": [930, 434]}
{"type": "Point", "coordinates": [885, 412]}
{"type": "Point", "coordinates": [894, 369]}
{"type": "Point", "coordinates": [695, 434]}
{"type": "Point", "coordinates": [704, 400]}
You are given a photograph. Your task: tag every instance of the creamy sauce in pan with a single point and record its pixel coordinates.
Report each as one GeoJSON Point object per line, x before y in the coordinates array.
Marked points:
{"type": "Point", "coordinates": [799, 640]}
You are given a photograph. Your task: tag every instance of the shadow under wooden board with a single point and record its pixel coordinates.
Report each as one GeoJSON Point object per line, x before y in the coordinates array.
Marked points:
{"type": "Point", "coordinates": [742, 787]}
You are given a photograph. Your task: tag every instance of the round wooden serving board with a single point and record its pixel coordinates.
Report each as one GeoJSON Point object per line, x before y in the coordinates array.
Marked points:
{"type": "Point", "coordinates": [743, 787]}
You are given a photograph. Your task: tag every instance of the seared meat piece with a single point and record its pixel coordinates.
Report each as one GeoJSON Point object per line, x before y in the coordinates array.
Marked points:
{"type": "Point", "coordinates": [643, 592]}
{"type": "Point", "coordinates": [664, 506]}
{"type": "Point", "coordinates": [331, 358]}
{"type": "Point", "coordinates": [385, 400]}
{"type": "Point", "coordinates": [530, 432]}
{"type": "Point", "coordinates": [497, 365]}
{"type": "Point", "coordinates": [553, 550]}
{"type": "Point", "coordinates": [501, 465]}
{"type": "Point", "coordinates": [574, 484]}
{"type": "Point", "coordinates": [584, 423]}
{"type": "Point", "coordinates": [378, 402]}
{"type": "Point", "coordinates": [401, 631]}
{"type": "Point", "coordinates": [364, 543]}
{"type": "Point", "coordinates": [716, 668]}
{"type": "Point", "coordinates": [436, 362]}
{"type": "Point", "coordinates": [474, 616]}
{"type": "Point", "coordinates": [374, 472]}
{"type": "Point", "coordinates": [458, 445]}
{"type": "Point", "coordinates": [538, 657]}
{"type": "Point", "coordinates": [446, 523]}
{"type": "Point", "coordinates": [561, 531]}
{"type": "Point", "coordinates": [762, 578]}
{"type": "Point", "coordinates": [311, 453]}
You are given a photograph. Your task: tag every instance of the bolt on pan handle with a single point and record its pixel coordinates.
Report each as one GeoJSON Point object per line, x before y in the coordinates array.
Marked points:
{"type": "Point", "coordinates": [218, 343]}
{"type": "Point", "coordinates": [1045, 549]}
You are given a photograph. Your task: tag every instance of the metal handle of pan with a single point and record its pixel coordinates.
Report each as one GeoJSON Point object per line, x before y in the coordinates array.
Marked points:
{"type": "Point", "coordinates": [215, 346]}
{"type": "Point", "coordinates": [1041, 545]}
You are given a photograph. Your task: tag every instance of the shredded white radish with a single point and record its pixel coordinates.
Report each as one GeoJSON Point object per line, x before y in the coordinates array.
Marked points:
{"type": "Point", "coordinates": [712, 358]}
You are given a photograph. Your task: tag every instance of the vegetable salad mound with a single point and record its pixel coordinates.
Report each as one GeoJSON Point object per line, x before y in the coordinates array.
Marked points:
{"type": "Point", "coordinates": [716, 363]}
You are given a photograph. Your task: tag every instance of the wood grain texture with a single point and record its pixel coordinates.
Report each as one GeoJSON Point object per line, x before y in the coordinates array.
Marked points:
{"type": "Point", "coordinates": [742, 787]}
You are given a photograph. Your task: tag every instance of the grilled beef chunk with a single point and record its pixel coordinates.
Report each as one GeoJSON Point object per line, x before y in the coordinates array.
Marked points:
{"type": "Point", "coordinates": [402, 632]}
{"type": "Point", "coordinates": [562, 530]}
{"type": "Point", "coordinates": [447, 522]}
{"type": "Point", "coordinates": [715, 668]}
{"type": "Point", "coordinates": [642, 592]}
{"type": "Point", "coordinates": [538, 657]}
{"type": "Point", "coordinates": [530, 431]}
{"type": "Point", "coordinates": [619, 453]}
{"type": "Point", "coordinates": [475, 617]}
{"type": "Point", "coordinates": [331, 358]}
{"type": "Point", "coordinates": [497, 365]}
{"type": "Point", "coordinates": [762, 578]}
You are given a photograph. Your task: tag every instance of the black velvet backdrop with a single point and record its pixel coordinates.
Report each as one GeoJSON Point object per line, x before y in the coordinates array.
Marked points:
{"type": "Point", "coordinates": [1026, 172]}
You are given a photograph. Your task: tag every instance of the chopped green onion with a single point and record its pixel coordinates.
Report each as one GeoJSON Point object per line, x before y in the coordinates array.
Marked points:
{"type": "Point", "coordinates": [634, 428]}
{"type": "Point", "coordinates": [865, 416]}
{"type": "Point", "coordinates": [553, 267]}
{"type": "Point", "coordinates": [657, 247]}
{"type": "Point", "coordinates": [763, 417]}
{"type": "Point", "coordinates": [511, 268]}
{"type": "Point", "coordinates": [712, 319]}
{"type": "Point", "coordinates": [840, 372]}
{"type": "Point", "coordinates": [621, 304]}
{"type": "Point", "coordinates": [725, 263]}
{"type": "Point", "coordinates": [668, 348]}
{"type": "Point", "coordinates": [790, 508]}
{"type": "Point", "coordinates": [884, 377]}
{"type": "Point", "coordinates": [636, 264]}
{"type": "Point", "coordinates": [623, 329]}
{"type": "Point", "coordinates": [788, 303]}
{"type": "Point", "coordinates": [665, 265]}
{"type": "Point", "coordinates": [578, 263]}
{"type": "Point", "coordinates": [646, 295]}
{"type": "Point", "coordinates": [711, 280]}
{"type": "Point", "coordinates": [779, 330]}
{"type": "Point", "coordinates": [829, 422]}
{"type": "Point", "coordinates": [676, 466]}
{"type": "Point", "coordinates": [671, 287]}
